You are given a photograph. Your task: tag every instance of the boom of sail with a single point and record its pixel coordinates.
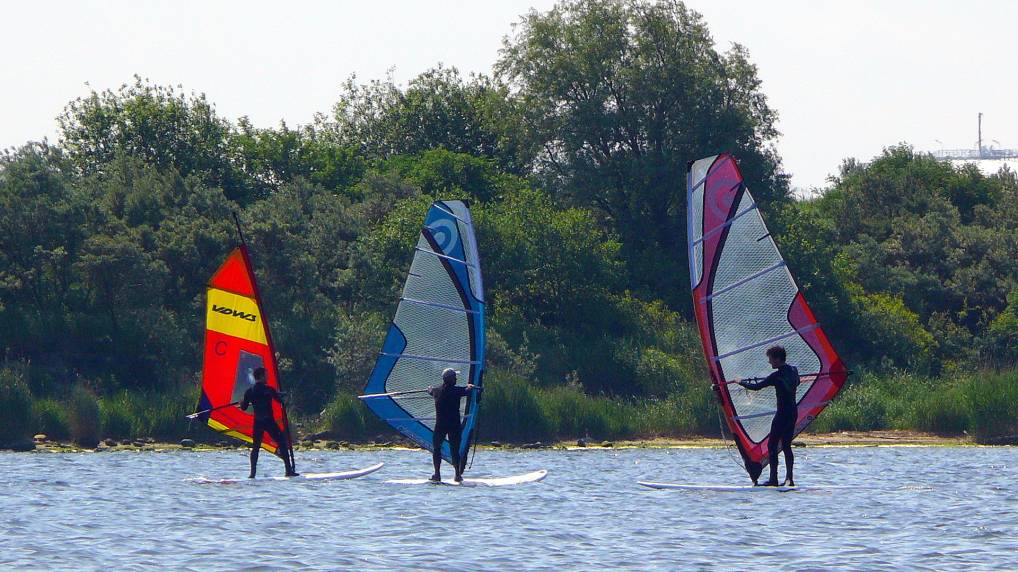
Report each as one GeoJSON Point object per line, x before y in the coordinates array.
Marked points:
{"type": "Point", "coordinates": [746, 300]}
{"type": "Point", "coordinates": [237, 341]}
{"type": "Point", "coordinates": [439, 324]}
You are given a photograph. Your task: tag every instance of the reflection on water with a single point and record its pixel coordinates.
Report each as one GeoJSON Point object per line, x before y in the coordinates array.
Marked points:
{"type": "Point", "coordinates": [916, 508]}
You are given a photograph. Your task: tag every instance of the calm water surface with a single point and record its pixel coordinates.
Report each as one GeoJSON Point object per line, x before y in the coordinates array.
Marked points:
{"type": "Point", "coordinates": [920, 508]}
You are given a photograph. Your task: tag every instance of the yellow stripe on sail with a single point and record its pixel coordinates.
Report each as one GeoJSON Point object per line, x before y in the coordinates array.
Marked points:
{"type": "Point", "coordinates": [234, 315]}
{"type": "Point", "coordinates": [236, 435]}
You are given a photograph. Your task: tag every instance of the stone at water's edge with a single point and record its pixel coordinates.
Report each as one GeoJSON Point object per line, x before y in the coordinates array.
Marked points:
{"type": "Point", "coordinates": [110, 442]}
{"type": "Point", "coordinates": [40, 438]}
{"type": "Point", "coordinates": [581, 442]}
{"type": "Point", "coordinates": [187, 443]}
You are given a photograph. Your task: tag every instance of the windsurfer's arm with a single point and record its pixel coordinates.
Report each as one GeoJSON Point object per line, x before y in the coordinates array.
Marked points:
{"type": "Point", "coordinates": [277, 395]}
{"type": "Point", "coordinates": [766, 382]}
{"type": "Point", "coordinates": [247, 401]}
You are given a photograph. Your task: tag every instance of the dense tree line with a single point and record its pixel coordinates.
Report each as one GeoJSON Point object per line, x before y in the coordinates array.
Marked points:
{"type": "Point", "coordinates": [573, 154]}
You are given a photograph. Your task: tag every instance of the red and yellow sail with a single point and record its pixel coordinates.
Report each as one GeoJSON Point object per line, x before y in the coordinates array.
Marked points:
{"type": "Point", "coordinates": [237, 341]}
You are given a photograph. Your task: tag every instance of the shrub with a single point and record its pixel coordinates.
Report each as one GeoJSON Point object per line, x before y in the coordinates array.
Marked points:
{"type": "Point", "coordinates": [50, 418]}
{"type": "Point", "coordinates": [510, 411]}
{"type": "Point", "coordinates": [16, 405]}
{"type": "Point", "coordinates": [343, 418]}
{"type": "Point", "coordinates": [576, 414]}
{"type": "Point", "coordinates": [83, 417]}
{"type": "Point", "coordinates": [994, 401]}
{"type": "Point", "coordinates": [657, 373]}
{"type": "Point", "coordinates": [946, 411]}
{"type": "Point", "coordinates": [118, 419]}
{"type": "Point", "coordinates": [691, 412]}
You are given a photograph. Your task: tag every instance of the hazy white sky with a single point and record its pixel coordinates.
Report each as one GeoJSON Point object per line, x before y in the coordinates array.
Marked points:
{"type": "Point", "coordinates": [848, 78]}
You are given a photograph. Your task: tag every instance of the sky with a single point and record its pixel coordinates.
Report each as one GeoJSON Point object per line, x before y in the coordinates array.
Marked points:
{"type": "Point", "coordinates": [846, 78]}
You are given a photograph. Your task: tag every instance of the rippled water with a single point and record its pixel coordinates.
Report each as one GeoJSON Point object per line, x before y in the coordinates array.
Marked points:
{"type": "Point", "coordinates": [920, 508]}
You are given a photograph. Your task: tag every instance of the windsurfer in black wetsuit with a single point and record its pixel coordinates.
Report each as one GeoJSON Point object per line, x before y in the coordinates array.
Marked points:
{"type": "Point", "coordinates": [447, 422]}
{"type": "Point", "coordinates": [785, 380]}
{"type": "Point", "coordinates": [260, 396]}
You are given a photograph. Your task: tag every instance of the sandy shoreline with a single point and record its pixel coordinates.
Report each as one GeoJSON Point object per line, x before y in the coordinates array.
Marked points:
{"type": "Point", "coordinates": [840, 439]}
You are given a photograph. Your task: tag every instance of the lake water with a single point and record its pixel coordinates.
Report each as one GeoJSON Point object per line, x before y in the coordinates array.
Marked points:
{"type": "Point", "coordinates": [917, 508]}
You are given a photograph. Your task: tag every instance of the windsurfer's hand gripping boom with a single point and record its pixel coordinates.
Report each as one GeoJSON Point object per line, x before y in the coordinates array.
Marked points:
{"type": "Point", "coordinates": [198, 413]}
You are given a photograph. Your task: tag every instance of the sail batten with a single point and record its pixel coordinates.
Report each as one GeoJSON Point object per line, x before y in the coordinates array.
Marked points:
{"type": "Point", "coordinates": [439, 324]}
{"type": "Point", "coordinates": [449, 258]}
{"type": "Point", "coordinates": [745, 298]}
{"type": "Point", "coordinates": [434, 305]}
{"type": "Point", "coordinates": [749, 278]}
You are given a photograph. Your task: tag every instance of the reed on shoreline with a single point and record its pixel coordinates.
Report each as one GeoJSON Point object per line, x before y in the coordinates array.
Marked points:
{"type": "Point", "coordinates": [983, 405]}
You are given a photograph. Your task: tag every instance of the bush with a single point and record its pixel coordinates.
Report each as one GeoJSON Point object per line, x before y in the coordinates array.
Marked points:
{"type": "Point", "coordinates": [50, 418]}
{"type": "Point", "coordinates": [343, 418]}
{"type": "Point", "coordinates": [692, 412]}
{"type": "Point", "coordinates": [164, 415]}
{"type": "Point", "coordinates": [576, 414]}
{"type": "Point", "coordinates": [859, 407]}
{"type": "Point", "coordinates": [510, 411]}
{"type": "Point", "coordinates": [657, 373]}
{"type": "Point", "coordinates": [994, 401]}
{"type": "Point", "coordinates": [83, 417]}
{"type": "Point", "coordinates": [16, 405]}
{"type": "Point", "coordinates": [946, 411]}
{"type": "Point", "coordinates": [118, 418]}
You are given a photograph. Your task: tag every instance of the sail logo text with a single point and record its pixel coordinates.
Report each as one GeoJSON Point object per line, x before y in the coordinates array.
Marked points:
{"type": "Point", "coordinates": [236, 313]}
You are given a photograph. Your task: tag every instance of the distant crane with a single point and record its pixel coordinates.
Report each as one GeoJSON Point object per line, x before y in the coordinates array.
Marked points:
{"type": "Point", "coordinates": [979, 153]}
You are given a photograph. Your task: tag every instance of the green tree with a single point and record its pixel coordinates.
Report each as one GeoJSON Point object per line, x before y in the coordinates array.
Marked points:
{"type": "Point", "coordinates": [1002, 335]}
{"type": "Point", "coordinates": [619, 96]}
{"type": "Point", "coordinates": [557, 267]}
{"type": "Point", "coordinates": [157, 124]}
{"type": "Point", "coordinates": [42, 224]}
{"type": "Point", "coordinates": [272, 157]}
{"type": "Point", "coordinates": [438, 109]}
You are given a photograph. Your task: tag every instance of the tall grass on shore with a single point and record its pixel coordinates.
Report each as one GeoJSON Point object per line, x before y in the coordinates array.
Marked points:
{"type": "Point", "coordinates": [512, 410]}
{"type": "Point", "coordinates": [516, 411]}
{"type": "Point", "coordinates": [981, 404]}
{"type": "Point", "coordinates": [993, 403]}
{"type": "Point", "coordinates": [158, 415]}
{"type": "Point", "coordinates": [85, 418]}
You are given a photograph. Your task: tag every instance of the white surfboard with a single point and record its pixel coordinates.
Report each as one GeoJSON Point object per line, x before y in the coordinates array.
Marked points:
{"type": "Point", "coordinates": [736, 488]}
{"type": "Point", "coordinates": [302, 477]}
{"type": "Point", "coordinates": [478, 482]}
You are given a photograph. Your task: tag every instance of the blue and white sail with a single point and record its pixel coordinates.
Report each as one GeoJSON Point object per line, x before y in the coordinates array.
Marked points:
{"type": "Point", "coordinates": [439, 324]}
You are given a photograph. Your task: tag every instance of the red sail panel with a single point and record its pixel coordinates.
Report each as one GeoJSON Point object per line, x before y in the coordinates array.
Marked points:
{"type": "Point", "coordinates": [237, 341]}
{"type": "Point", "coordinates": [745, 300]}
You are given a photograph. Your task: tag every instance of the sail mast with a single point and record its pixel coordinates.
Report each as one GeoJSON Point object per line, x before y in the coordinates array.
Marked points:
{"type": "Point", "coordinates": [268, 336]}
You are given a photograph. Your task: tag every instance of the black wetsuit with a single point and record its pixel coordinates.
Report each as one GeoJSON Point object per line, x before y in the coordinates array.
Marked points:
{"type": "Point", "coordinates": [447, 423]}
{"type": "Point", "coordinates": [261, 396]}
{"type": "Point", "coordinates": [785, 381]}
